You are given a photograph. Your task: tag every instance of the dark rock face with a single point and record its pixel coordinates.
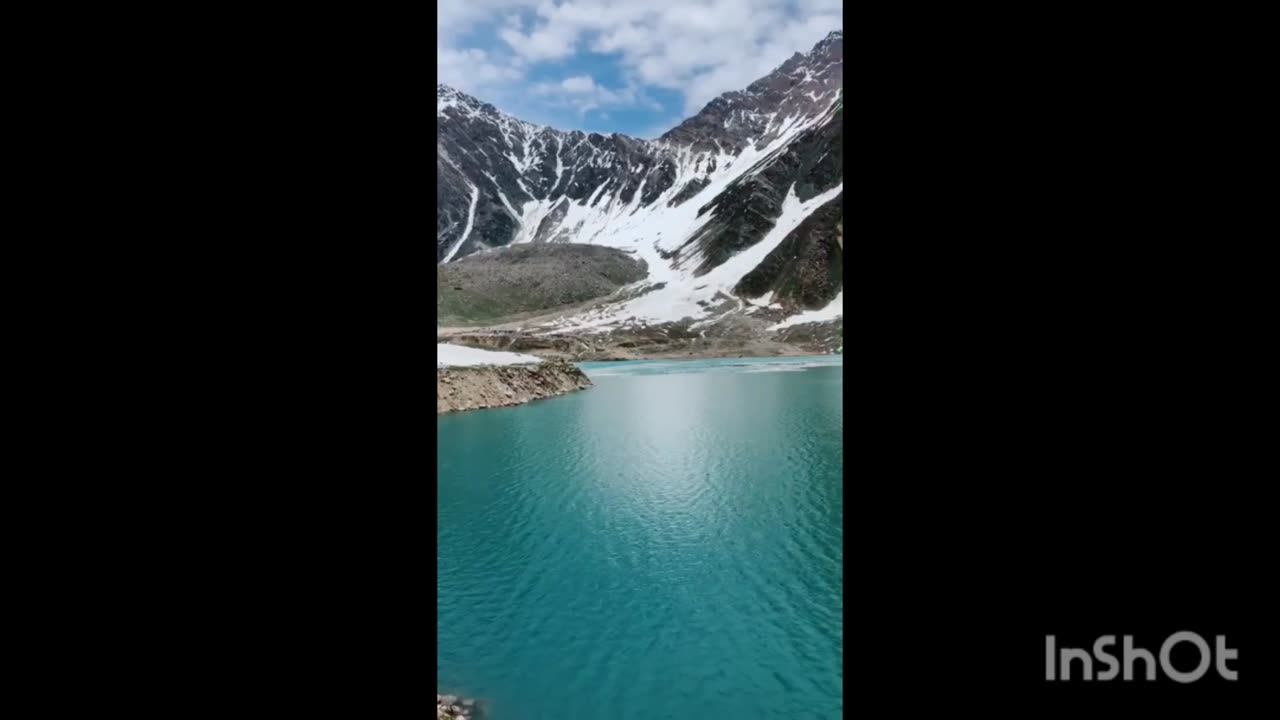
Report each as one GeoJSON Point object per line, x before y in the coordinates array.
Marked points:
{"type": "Point", "coordinates": [490, 165]}
{"type": "Point", "coordinates": [804, 85]}
{"type": "Point", "coordinates": [747, 210]}
{"type": "Point", "coordinates": [506, 163]}
{"type": "Point", "coordinates": [806, 271]}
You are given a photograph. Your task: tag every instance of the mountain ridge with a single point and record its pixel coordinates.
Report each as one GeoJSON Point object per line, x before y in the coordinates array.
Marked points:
{"type": "Point", "coordinates": [454, 95]}
{"type": "Point", "coordinates": [709, 190]}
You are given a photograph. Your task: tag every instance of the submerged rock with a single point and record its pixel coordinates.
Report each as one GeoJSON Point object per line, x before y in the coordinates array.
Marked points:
{"type": "Point", "coordinates": [451, 707]}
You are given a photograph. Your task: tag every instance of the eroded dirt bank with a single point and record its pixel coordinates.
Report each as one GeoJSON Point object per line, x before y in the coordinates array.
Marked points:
{"type": "Point", "coordinates": [473, 388]}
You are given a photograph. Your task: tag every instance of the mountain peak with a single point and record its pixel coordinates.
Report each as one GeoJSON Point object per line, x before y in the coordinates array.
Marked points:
{"type": "Point", "coordinates": [804, 85]}
{"type": "Point", "coordinates": [685, 205]}
{"type": "Point", "coordinates": [833, 37]}
{"type": "Point", "coordinates": [448, 97]}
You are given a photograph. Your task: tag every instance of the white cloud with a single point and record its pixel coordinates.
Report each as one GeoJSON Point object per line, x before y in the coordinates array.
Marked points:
{"type": "Point", "coordinates": [583, 94]}
{"type": "Point", "coordinates": [579, 84]}
{"type": "Point", "coordinates": [549, 42]}
{"type": "Point", "coordinates": [699, 48]}
{"type": "Point", "coordinates": [460, 63]}
{"type": "Point", "coordinates": [473, 69]}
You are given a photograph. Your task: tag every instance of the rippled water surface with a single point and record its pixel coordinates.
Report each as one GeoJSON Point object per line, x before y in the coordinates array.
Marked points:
{"type": "Point", "coordinates": [666, 544]}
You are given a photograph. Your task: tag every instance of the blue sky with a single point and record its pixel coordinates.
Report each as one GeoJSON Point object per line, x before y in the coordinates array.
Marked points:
{"type": "Point", "coordinates": [631, 66]}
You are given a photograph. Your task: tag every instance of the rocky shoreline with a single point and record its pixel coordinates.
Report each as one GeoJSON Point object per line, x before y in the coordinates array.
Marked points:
{"type": "Point", "coordinates": [451, 707]}
{"type": "Point", "coordinates": [490, 386]}
{"type": "Point", "coordinates": [727, 337]}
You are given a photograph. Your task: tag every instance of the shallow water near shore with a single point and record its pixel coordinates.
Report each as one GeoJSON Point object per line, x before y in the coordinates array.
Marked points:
{"type": "Point", "coordinates": [665, 544]}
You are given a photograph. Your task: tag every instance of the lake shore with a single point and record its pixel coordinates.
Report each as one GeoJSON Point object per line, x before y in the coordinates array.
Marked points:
{"type": "Point", "coordinates": [451, 707]}
{"type": "Point", "coordinates": [490, 386]}
{"type": "Point", "coordinates": [668, 342]}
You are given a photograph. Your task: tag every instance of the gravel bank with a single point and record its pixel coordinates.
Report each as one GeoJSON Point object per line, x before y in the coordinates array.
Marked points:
{"type": "Point", "coordinates": [473, 388]}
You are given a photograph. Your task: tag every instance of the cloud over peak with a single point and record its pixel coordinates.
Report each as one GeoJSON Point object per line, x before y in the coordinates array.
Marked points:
{"type": "Point", "coordinates": [643, 59]}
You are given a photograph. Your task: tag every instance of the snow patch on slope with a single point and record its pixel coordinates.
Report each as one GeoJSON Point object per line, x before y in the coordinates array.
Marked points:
{"type": "Point", "coordinates": [685, 295]}
{"type": "Point", "coordinates": [657, 228]}
{"type": "Point", "coordinates": [457, 356]}
{"type": "Point", "coordinates": [833, 311]}
{"type": "Point", "coordinates": [471, 221]}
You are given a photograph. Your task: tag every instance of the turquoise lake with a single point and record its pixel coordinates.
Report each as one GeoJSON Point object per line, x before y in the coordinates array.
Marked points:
{"type": "Point", "coordinates": [666, 544]}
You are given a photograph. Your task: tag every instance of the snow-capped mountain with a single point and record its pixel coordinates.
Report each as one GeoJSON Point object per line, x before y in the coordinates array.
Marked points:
{"type": "Point", "coordinates": [743, 199]}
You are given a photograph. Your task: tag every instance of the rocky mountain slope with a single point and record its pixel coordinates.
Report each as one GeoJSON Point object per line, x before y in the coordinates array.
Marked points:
{"type": "Point", "coordinates": [525, 279]}
{"type": "Point", "coordinates": [738, 207]}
